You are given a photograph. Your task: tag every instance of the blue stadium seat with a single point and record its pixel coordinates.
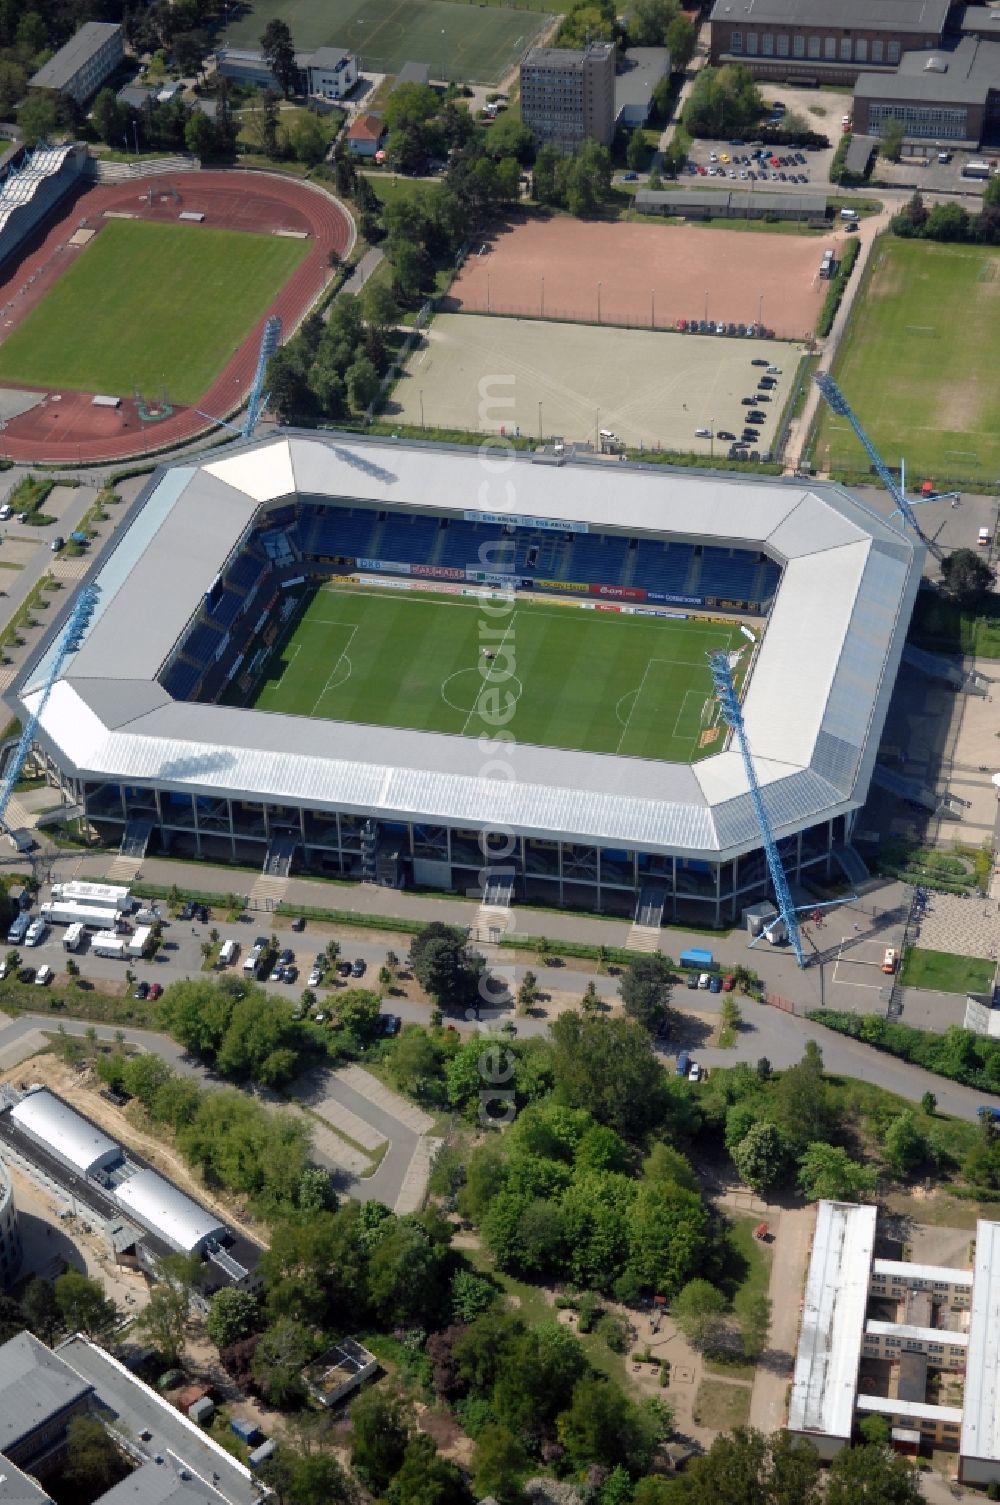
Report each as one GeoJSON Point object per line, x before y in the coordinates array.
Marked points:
{"type": "Point", "coordinates": [201, 643]}
{"type": "Point", "coordinates": [227, 609]}
{"type": "Point", "coordinates": [408, 539]}
{"type": "Point", "coordinates": [728, 572]}
{"type": "Point", "coordinates": [662, 566]}
{"type": "Point", "coordinates": [341, 530]}
{"type": "Point", "coordinates": [244, 572]}
{"type": "Point", "coordinates": [180, 679]}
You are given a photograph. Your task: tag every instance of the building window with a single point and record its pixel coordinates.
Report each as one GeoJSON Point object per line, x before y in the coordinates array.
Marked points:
{"type": "Point", "coordinates": [830, 48]}
{"type": "Point", "coordinates": [768, 47]}
{"type": "Point", "coordinates": [736, 41]}
{"type": "Point", "coordinates": [814, 47]}
{"type": "Point", "coordinates": [861, 50]}
{"type": "Point", "coordinates": [876, 52]}
{"type": "Point", "coordinates": [893, 52]}
{"type": "Point", "coordinates": [799, 46]}
{"type": "Point", "coordinates": [845, 49]}
{"type": "Point", "coordinates": [782, 46]}
{"type": "Point", "coordinates": [752, 43]}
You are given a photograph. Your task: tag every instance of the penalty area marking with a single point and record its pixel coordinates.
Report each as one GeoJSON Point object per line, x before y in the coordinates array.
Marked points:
{"type": "Point", "coordinates": [333, 683]}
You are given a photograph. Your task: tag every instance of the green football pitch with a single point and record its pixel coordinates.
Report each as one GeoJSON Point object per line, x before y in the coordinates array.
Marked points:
{"type": "Point", "coordinates": [150, 306]}
{"type": "Point", "coordinates": [598, 682]}
{"type": "Point", "coordinates": [464, 43]}
{"type": "Point", "coordinates": [917, 366]}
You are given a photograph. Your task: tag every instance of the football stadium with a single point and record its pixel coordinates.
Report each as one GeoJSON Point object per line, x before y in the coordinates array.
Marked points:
{"type": "Point", "coordinates": [481, 671]}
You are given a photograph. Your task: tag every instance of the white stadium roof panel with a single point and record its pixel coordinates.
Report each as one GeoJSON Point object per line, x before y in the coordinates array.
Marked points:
{"type": "Point", "coordinates": [55, 1126]}
{"type": "Point", "coordinates": [165, 1210]}
{"type": "Point", "coordinates": [819, 685]}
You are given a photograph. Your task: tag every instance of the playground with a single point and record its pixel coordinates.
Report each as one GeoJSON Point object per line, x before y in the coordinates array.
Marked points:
{"type": "Point", "coordinates": [153, 295]}
{"type": "Point", "coordinates": [643, 275]}
{"type": "Point", "coordinates": [651, 389]}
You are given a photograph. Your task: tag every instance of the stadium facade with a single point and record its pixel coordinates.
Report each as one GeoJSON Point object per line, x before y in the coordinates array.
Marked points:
{"type": "Point", "coordinates": [145, 733]}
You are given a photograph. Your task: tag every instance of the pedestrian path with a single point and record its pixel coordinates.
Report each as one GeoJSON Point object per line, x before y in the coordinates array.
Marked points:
{"type": "Point", "coordinates": [958, 925]}
{"type": "Point", "coordinates": [267, 891]}
{"type": "Point", "coordinates": [411, 1193]}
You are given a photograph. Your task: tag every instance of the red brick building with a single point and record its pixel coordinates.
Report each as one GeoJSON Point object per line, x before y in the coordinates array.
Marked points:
{"type": "Point", "coordinates": [823, 41]}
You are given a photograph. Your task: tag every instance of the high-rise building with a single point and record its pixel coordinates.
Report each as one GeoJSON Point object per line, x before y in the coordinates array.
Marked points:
{"type": "Point", "coordinates": [568, 96]}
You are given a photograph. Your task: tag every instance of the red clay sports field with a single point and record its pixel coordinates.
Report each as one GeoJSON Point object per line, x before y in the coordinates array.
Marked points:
{"type": "Point", "coordinates": [65, 428]}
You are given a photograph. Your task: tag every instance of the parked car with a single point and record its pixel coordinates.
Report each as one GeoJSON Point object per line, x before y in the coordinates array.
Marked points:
{"type": "Point", "coordinates": [155, 991]}
{"type": "Point", "coordinates": [704, 980]}
{"type": "Point", "coordinates": [343, 969]}
{"type": "Point", "coordinates": [389, 1025]}
{"type": "Point", "coordinates": [359, 968]}
{"type": "Point", "coordinates": [141, 990]}
{"type": "Point", "coordinates": [692, 980]}
{"type": "Point", "coordinates": [203, 913]}
{"type": "Point", "coordinates": [44, 975]}
{"type": "Point", "coordinates": [728, 983]}
{"type": "Point", "coordinates": [188, 912]}
{"type": "Point", "coordinates": [715, 985]}
{"type": "Point", "coordinates": [694, 1072]}
{"type": "Point", "coordinates": [286, 956]}
{"type": "Point", "coordinates": [315, 977]}
{"type": "Point", "coordinates": [289, 974]}
{"type": "Point", "coordinates": [299, 923]}
{"type": "Point", "coordinates": [26, 974]}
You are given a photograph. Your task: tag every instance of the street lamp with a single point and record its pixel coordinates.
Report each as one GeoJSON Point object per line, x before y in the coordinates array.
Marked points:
{"type": "Point", "coordinates": [760, 311]}
{"type": "Point", "coordinates": [421, 407]}
{"type": "Point", "coordinates": [706, 305]}
{"type": "Point", "coordinates": [539, 420]}
{"type": "Point", "coordinates": [652, 308]}
{"type": "Point", "coordinates": [542, 303]}
{"type": "Point", "coordinates": [711, 438]}
{"type": "Point", "coordinates": [598, 302]}
{"type": "Point", "coordinates": [487, 290]}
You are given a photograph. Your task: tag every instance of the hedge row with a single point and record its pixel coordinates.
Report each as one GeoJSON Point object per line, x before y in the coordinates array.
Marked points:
{"type": "Point", "coordinates": [836, 291]}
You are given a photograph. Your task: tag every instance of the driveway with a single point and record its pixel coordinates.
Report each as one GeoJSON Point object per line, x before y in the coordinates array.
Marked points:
{"type": "Point", "coordinates": [792, 1228]}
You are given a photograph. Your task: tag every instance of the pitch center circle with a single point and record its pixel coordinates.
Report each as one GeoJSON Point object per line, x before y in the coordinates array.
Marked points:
{"type": "Point", "coordinates": [462, 690]}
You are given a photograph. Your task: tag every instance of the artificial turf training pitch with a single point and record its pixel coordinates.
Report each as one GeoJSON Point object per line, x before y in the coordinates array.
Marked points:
{"type": "Point", "coordinates": [599, 682]}
{"type": "Point", "coordinates": [151, 307]}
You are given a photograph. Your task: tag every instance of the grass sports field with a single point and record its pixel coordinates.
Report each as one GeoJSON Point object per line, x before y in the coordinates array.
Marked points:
{"type": "Point", "coordinates": [593, 682]}
{"type": "Point", "coordinates": [150, 306]}
{"type": "Point", "coordinates": [464, 43]}
{"type": "Point", "coordinates": [916, 364]}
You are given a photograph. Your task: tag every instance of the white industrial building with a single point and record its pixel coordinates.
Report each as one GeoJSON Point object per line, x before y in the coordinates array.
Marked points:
{"type": "Point", "coordinates": [55, 1126]}
{"type": "Point", "coordinates": [829, 1393]}
{"type": "Point", "coordinates": [178, 1220]}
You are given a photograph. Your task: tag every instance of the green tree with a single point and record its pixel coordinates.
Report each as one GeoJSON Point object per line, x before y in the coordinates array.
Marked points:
{"type": "Point", "coordinates": [233, 1315]}
{"type": "Point", "coordinates": [416, 1066]}
{"type": "Point", "coordinates": [308, 140]}
{"type": "Point", "coordinates": [279, 52]}
{"type": "Point", "coordinates": [602, 1425]}
{"type": "Point", "coordinates": [443, 964]}
{"type": "Point", "coordinates": [93, 1462]}
{"type": "Point", "coordinates": [754, 1316]}
{"type": "Point", "coordinates": [828, 1173]}
{"type": "Point", "coordinates": [745, 1467]}
{"type": "Point", "coordinates": [948, 221]}
{"type": "Point", "coordinates": [607, 1066]}
{"type": "Point", "coordinates": [635, 152]}
{"type": "Point", "coordinates": [875, 1430]}
{"type": "Point", "coordinates": [527, 993]}
{"type": "Point", "coordinates": [310, 1477]}
{"type": "Point", "coordinates": [645, 988]}
{"type": "Point", "coordinates": [761, 1156]}
{"type": "Point", "coordinates": [41, 1309]}
{"type": "Point", "coordinates": [722, 102]}
{"type": "Point", "coordinates": [358, 1010]}
{"type": "Point", "coordinates": [380, 307]}
{"type": "Point", "coordinates": [108, 117]}
{"type": "Point", "coordinates": [872, 1475]}
{"type": "Point", "coordinates": [668, 1236]}
{"type": "Point", "coordinates": [891, 138]}
{"type": "Point", "coordinates": [37, 117]}
{"type": "Point", "coordinates": [199, 135]}
{"type": "Point", "coordinates": [966, 577]}
{"type": "Point", "coordinates": [426, 1478]}
{"type": "Point", "coordinates": [84, 1308]}
{"type": "Point", "coordinates": [381, 1423]}
{"type": "Point", "coordinates": [499, 1465]}
{"type": "Point", "coordinates": [471, 1295]}
{"type": "Point", "coordinates": [682, 37]}
{"type": "Point", "coordinates": [282, 1353]}
{"type": "Point", "coordinates": [801, 1101]}
{"type": "Point", "coordinates": [165, 1317]}
{"type": "Point", "coordinates": [699, 1310]}
{"type": "Point", "coordinates": [905, 1144]}
{"type": "Point", "coordinates": [928, 1104]}
{"type": "Point", "coordinates": [649, 21]}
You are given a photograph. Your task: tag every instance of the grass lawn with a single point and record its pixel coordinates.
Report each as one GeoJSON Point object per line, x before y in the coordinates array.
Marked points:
{"type": "Point", "coordinates": [721, 1406]}
{"type": "Point", "coordinates": [150, 306]}
{"type": "Point", "coordinates": [634, 686]}
{"type": "Point", "coordinates": [913, 366]}
{"type": "Point", "coordinates": [747, 1274]}
{"type": "Point", "coordinates": [943, 973]}
{"type": "Point", "coordinates": [472, 43]}
{"type": "Point", "coordinates": [941, 626]}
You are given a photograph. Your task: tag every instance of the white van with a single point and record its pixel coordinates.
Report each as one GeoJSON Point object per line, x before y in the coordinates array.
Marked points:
{"type": "Point", "coordinates": [228, 953]}
{"type": "Point", "coordinates": [5, 512]}
{"type": "Point", "coordinates": [850, 214]}
{"type": "Point", "coordinates": [984, 538]}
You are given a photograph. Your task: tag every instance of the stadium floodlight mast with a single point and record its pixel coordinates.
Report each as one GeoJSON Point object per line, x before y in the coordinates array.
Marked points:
{"type": "Point", "coordinates": [69, 642]}
{"type": "Point", "coordinates": [269, 342]}
{"type": "Point", "coordinates": [732, 715]}
{"type": "Point", "coordinates": [904, 506]}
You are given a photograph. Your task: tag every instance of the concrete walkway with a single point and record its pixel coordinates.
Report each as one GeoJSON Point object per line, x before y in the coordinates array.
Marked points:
{"type": "Point", "coordinates": [792, 1229]}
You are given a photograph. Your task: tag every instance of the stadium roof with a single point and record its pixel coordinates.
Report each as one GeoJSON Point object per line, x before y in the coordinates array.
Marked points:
{"type": "Point", "coordinates": [64, 65]}
{"type": "Point", "coordinates": [814, 706]}
{"type": "Point", "coordinates": [35, 1385]}
{"type": "Point", "coordinates": [833, 1317]}
{"type": "Point", "coordinates": [901, 16]}
{"type": "Point", "coordinates": [981, 1399]}
{"type": "Point", "coordinates": [164, 1209]}
{"type": "Point", "coordinates": [160, 1431]}
{"type": "Point", "coordinates": [65, 1133]}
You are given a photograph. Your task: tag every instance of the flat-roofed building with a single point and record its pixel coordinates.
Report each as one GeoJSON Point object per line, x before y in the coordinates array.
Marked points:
{"type": "Point", "coordinates": [80, 67]}
{"type": "Point", "coordinates": [833, 1319]}
{"type": "Point", "coordinates": [166, 1211]}
{"type": "Point", "coordinates": [39, 1396]}
{"type": "Point", "coordinates": [810, 41]}
{"type": "Point", "coordinates": [979, 1447]}
{"type": "Point", "coordinates": [946, 94]}
{"type": "Point", "coordinates": [946, 1283]}
{"type": "Point", "coordinates": [568, 95]}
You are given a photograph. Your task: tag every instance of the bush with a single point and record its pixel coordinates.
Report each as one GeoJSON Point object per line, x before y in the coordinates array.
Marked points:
{"type": "Point", "coordinates": [832, 301]}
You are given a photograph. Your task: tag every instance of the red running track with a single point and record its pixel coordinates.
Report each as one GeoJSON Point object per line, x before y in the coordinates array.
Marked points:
{"type": "Point", "coordinates": [64, 428]}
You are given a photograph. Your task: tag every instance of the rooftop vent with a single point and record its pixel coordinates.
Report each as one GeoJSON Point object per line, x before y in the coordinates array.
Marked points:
{"type": "Point", "coordinates": [935, 64]}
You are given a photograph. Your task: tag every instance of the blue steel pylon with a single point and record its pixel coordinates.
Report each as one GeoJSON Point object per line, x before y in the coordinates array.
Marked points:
{"type": "Point", "coordinates": [268, 345]}
{"type": "Point", "coordinates": [71, 639]}
{"type": "Point", "coordinates": [732, 714]}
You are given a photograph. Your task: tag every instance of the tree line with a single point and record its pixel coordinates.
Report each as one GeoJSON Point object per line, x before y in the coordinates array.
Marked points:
{"type": "Point", "coordinates": [950, 221]}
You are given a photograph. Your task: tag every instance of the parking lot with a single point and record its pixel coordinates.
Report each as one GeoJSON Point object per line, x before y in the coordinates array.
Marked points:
{"type": "Point", "coordinates": [780, 168]}
{"type": "Point", "coordinates": [820, 110]}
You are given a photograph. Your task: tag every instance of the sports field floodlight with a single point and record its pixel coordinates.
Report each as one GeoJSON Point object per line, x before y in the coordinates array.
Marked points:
{"type": "Point", "coordinates": [269, 342]}
{"type": "Point", "coordinates": [904, 508]}
{"type": "Point", "coordinates": [69, 642]}
{"type": "Point", "coordinates": [732, 715]}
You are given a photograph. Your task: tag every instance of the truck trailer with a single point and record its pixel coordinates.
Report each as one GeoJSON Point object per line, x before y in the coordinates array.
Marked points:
{"type": "Point", "coordinates": [138, 944]}
{"type": "Point", "coordinates": [106, 943]}
{"type": "Point", "coordinates": [73, 937]}
{"type": "Point", "coordinates": [94, 917]}
{"type": "Point", "coordinates": [697, 960]}
{"type": "Point", "coordinates": [94, 895]}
